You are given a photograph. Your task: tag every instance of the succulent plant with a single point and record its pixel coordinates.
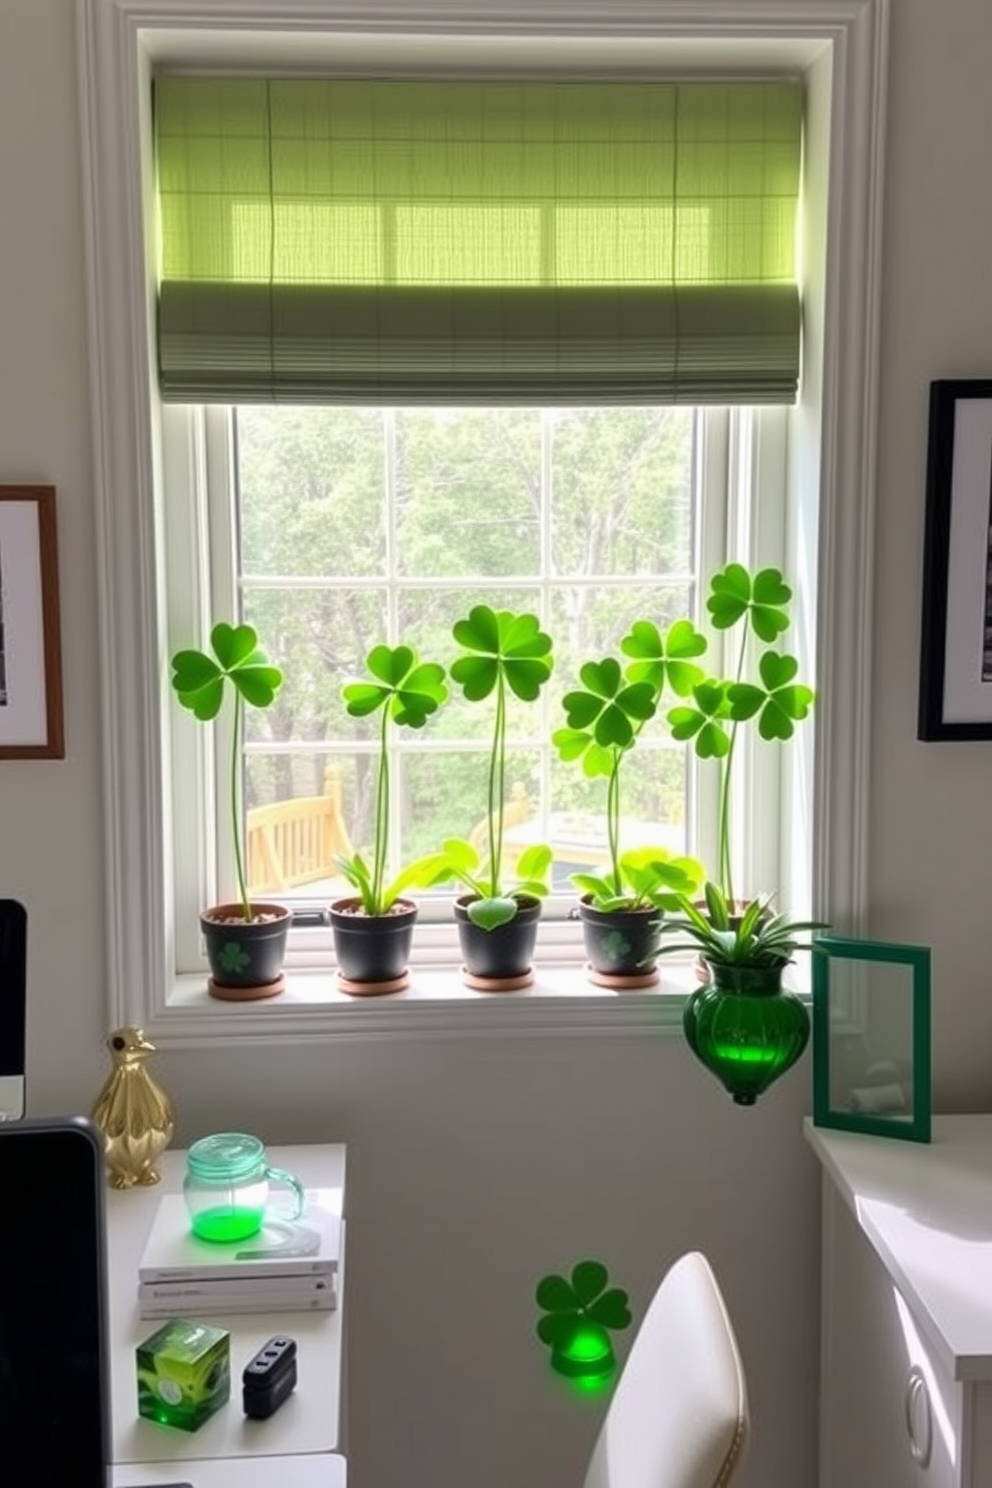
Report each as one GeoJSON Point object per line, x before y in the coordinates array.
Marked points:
{"type": "Point", "coordinates": [755, 940]}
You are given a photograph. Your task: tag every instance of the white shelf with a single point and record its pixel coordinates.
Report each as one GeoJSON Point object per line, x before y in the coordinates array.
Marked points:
{"type": "Point", "coordinates": [927, 1211]}
{"type": "Point", "coordinates": [308, 1422]}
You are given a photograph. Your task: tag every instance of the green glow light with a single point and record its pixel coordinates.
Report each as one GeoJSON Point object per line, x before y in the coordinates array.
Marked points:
{"type": "Point", "coordinates": [579, 1312]}
{"type": "Point", "coordinates": [748, 1054]}
{"type": "Point", "coordinates": [587, 1384]}
{"type": "Point", "coordinates": [588, 1354]}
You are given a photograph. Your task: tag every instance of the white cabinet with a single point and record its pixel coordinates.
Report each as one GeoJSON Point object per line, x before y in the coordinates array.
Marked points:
{"type": "Point", "coordinates": [906, 1346]}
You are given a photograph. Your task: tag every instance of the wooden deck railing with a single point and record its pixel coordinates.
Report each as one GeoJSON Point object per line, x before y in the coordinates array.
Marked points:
{"type": "Point", "coordinates": [291, 843]}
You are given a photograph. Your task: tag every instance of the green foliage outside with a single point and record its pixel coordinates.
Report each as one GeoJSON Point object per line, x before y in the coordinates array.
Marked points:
{"type": "Point", "coordinates": [458, 522]}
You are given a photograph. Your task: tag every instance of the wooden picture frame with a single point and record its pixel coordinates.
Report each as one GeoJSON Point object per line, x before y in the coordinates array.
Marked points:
{"type": "Point", "coordinates": [956, 640]}
{"type": "Point", "coordinates": [30, 636]}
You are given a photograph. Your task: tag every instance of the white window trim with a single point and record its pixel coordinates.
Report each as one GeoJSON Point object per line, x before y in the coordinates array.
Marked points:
{"type": "Point", "coordinates": [842, 47]}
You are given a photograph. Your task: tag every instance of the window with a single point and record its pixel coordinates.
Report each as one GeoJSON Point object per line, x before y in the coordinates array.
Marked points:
{"type": "Point", "coordinates": [349, 525]}
{"type": "Point", "coordinates": [828, 439]}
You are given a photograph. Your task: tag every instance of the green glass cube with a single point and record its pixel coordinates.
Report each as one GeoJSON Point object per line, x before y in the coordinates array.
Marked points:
{"type": "Point", "coordinates": [184, 1373]}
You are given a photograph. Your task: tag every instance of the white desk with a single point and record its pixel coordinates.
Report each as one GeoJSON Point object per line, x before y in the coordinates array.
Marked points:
{"type": "Point", "coordinates": [295, 1447]}
{"type": "Point", "coordinates": [906, 1335]}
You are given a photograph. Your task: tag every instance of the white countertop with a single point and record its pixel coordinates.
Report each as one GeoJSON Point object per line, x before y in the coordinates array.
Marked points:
{"type": "Point", "coordinates": [927, 1210]}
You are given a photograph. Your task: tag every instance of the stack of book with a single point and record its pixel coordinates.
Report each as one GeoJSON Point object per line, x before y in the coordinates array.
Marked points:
{"type": "Point", "coordinates": [289, 1266]}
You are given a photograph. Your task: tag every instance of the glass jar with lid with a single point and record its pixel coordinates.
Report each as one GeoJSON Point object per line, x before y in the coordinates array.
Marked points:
{"type": "Point", "coordinates": [227, 1186]}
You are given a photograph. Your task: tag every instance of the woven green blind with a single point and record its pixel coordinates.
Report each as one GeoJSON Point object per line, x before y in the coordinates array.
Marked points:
{"type": "Point", "coordinates": [438, 241]}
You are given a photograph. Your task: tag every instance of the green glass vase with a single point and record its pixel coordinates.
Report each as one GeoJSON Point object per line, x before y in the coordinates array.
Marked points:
{"type": "Point", "coordinates": [746, 1028]}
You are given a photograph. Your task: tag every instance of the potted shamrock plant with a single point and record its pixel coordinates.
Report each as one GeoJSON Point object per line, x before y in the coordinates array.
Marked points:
{"type": "Point", "coordinates": [373, 930]}
{"type": "Point", "coordinates": [502, 653]}
{"type": "Point", "coordinates": [743, 1025]}
{"type": "Point", "coordinates": [245, 940]}
{"type": "Point", "coordinates": [622, 906]}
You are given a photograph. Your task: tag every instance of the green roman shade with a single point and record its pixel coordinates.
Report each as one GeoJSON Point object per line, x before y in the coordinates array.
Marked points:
{"type": "Point", "coordinates": [447, 241]}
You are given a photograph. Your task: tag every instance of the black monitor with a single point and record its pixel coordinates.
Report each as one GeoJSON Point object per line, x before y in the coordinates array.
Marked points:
{"type": "Point", "coordinates": [13, 996]}
{"type": "Point", "coordinates": [54, 1372]}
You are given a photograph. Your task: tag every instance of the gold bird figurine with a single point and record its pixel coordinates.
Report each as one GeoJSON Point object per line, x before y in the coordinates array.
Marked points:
{"type": "Point", "coordinates": [134, 1113]}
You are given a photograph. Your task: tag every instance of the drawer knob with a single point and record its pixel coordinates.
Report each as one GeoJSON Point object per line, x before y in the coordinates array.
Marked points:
{"type": "Point", "coordinates": [919, 1421]}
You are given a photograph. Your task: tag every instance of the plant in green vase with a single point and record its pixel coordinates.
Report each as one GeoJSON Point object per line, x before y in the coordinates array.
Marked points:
{"type": "Point", "coordinates": [623, 904]}
{"type": "Point", "coordinates": [245, 941]}
{"type": "Point", "coordinates": [373, 931]}
{"type": "Point", "coordinates": [502, 653]}
{"type": "Point", "coordinates": [743, 1025]}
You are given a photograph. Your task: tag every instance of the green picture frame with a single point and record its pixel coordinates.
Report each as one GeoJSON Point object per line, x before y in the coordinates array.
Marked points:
{"type": "Point", "coordinates": [871, 1037]}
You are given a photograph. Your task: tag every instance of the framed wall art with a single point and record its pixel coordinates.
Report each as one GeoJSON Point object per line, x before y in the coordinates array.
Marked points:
{"type": "Point", "coordinates": [956, 640]}
{"type": "Point", "coordinates": [871, 1037]}
{"type": "Point", "coordinates": [30, 642]}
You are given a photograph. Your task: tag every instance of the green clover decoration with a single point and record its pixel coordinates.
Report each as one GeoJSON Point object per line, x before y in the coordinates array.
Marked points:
{"type": "Point", "coordinates": [579, 1313]}
{"type": "Point", "coordinates": [411, 690]}
{"type": "Point", "coordinates": [780, 703]}
{"type": "Point", "coordinates": [603, 718]}
{"type": "Point", "coordinates": [664, 660]}
{"type": "Point", "coordinates": [734, 595]}
{"type": "Point", "coordinates": [499, 642]}
{"type": "Point", "coordinates": [233, 958]}
{"type": "Point", "coordinates": [198, 679]}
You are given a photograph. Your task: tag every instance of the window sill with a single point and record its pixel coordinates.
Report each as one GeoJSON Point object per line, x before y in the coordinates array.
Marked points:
{"type": "Point", "coordinates": [437, 1003]}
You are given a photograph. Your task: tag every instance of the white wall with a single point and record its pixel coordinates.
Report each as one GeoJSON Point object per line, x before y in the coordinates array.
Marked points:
{"type": "Point", "coordinates": [474, 1168]}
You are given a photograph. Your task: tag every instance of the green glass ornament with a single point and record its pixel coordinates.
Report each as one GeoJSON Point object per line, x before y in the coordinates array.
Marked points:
{"type": "Point", "coordinates": [746, 1028]}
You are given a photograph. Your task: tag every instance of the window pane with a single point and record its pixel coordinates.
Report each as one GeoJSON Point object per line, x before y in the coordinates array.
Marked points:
{"type": "Point", "coordinates": [468, 491]}
{"type": "Point", "coordinates": [361, 526]}
{"type": "Point", "coordinates": [445, 796]}
{"type": "Point", "coordinates": [295, 821]}
{"type": "Point", "coordinates": [621, 483]}
{"type": "Point", "coordinates": [320, 639]}
{"type": "Point", "coordinates": [312, 491]}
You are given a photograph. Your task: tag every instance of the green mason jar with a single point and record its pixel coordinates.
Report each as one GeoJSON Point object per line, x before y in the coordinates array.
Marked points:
{"type": "Point", "coordinates": [226, 1187]}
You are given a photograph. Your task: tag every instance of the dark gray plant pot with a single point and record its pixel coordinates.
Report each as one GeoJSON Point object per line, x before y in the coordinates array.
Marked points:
{"type": "Point", "coordinates": [372, 948]}
{"type": "Point", "coordinates": [623, 942]}
{"type": "Point", "coordinates": [507, 951]}
{"type": "Point", "coordinates": [245, 953]}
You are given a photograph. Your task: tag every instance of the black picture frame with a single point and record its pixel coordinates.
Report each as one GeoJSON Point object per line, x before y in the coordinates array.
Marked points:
{"type": "Point", "coordinates": [955, 700]}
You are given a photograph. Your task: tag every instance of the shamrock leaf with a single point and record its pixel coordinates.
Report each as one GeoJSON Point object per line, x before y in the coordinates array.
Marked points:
{"type": "Point", "coordinates": [734, 595]}
{"type": "Point", "coordinates": [412, 690]}
{"type": "Point", "coordinates": [498, 642]}
{"type": "Point", "coordinates": [605, 716]}
{"type": "Point", "coordinates": [611, 1310]}
{"type": "Point", "coordinates": [780, 703]}
{"type": "Point", "coordinates": [198, 679]}
{"type": "Point", "coordinates": [703, 724]}
{"type": "Point", "coordinates": [584, 1298]}
{"type": "Point", "coordinates": [660, 660]}
{"type": "Point", "coordinates": [588, 1280]}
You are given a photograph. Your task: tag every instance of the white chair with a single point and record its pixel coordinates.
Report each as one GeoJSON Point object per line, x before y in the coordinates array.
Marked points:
{"type": "Point", "coordinates": [679, 1415]}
